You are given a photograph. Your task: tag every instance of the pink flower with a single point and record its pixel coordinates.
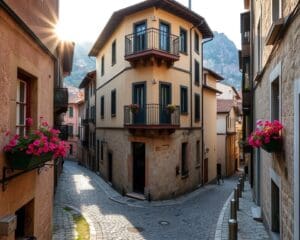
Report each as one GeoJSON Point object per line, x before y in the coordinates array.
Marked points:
{"type": "Point", "coordinates": [7, 133]}
{"type": "Point", "coordinates": [29, 122]}
{"type": "Point", "coordinates": [45, 124]}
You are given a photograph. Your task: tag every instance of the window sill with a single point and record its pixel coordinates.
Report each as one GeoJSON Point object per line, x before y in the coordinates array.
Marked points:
{"type": "Point", "coordinates": [113, 115]}
{"type": "Point", "coordinates": [198, 166]}
{"type": "Point", "coordinates": [184, 53]}
{"type": "Point", "coordinates": [274, 31]}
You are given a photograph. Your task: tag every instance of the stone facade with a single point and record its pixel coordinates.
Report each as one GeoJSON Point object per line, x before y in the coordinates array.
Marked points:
{"type": "Point", "coordinates": [279, 60]}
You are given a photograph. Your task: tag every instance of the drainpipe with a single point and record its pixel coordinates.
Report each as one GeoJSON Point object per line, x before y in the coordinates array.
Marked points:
{"type": "Point", "coordinates": [202, 104]}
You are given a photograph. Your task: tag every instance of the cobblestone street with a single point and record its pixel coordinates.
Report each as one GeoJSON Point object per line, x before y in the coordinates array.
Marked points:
{"type": "Point", "coordinates": [113, 217]}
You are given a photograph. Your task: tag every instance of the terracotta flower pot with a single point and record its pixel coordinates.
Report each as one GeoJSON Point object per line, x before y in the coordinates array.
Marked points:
{"type": "Point", "coordinates": [22, 161]}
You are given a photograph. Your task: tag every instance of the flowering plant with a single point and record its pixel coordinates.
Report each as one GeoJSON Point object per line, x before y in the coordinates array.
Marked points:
{"type": "Point", "coordinates": [171, 108]}
{"type": "Point", "coordinates": [266, 135]}
{"type": "Point", "coordinates": [39, 142]}
{"type": "Point", "coordinates": [134, 108]}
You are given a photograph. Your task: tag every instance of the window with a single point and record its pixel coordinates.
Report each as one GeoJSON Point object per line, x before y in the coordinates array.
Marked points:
{"type": "Point", "coordinates": [276, 10]}
{"type": "Point", "coordinates": [184, 164]}
{"type": "Point", "coordinates": [164, 36]}
{"type": "Point", "coordinates": [197, 107]}
{"type": "Point", "coordinates": [196, 43]}
{"type": "Point", "coordinates": [197, 73]}
{"type": "Point", "coordinates": [70, 130]}
{"type": "Point", "coordinates": [71, 112]}
{"type": "Point", "coordinates": [113, 103]}
{"type": "Point", "coordinates": [113, 53]}
{"type": "Point", "coordinates": [22, 107]}
{"type": "Point", "coordinates": [98, 150]}
{"type": "Point", "coordinates": [102, 107]}
{"type": "Point", "coordinates": [102, 150]}
{"type": "Point", "coordinates": [198, 153]}
{"type": "Point", "coordinates": [183, 40]}
{"type": "Point", "coordinates": [102, 66]}
{"type": "Point", "coordinates": [183, 100]}
{"type": "Point", "coordinates": [275, 99]}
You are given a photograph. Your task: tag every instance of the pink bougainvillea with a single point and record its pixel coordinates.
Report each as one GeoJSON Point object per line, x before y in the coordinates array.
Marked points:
{"type": "Point", "coordinates": [264, 133]}
{"type": "Point", "coordinates": [38, 142]}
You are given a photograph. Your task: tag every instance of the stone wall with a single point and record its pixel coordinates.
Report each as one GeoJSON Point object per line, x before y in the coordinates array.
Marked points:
{"type": "Point", "coordinates": [163, 156]}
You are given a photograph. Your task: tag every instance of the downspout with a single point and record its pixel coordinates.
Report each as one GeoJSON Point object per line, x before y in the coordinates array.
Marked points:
{"type": "Point", "coordinates": [202, 105]}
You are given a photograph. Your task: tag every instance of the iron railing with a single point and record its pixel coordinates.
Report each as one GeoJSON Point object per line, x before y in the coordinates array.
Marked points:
{"type": "Point", "coordinates": [151, 115]}
{"type": "Point", "coordinates": [151, 39]}
{"type": "Point", "coordinates": [61, 99]}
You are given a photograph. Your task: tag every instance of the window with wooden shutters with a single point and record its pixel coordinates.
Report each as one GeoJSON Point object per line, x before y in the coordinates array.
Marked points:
{"type": "Point", "coordinates": [113, 103]}
{"type": "Point", "coordinates": [197, 73]}
{"type": "Point", "coordinates": [102, 107]}
{"type": "Point", "coordinates": [22, 107]}
{"type": "Point", "coordinates": [197, 107]}
{"type": "Point", "coordinates": [183, 100]}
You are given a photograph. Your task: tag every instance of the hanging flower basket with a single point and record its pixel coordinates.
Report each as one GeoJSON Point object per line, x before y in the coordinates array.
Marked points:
{"type": "Point", "coordinates": [22, 161]}
{"type": "Point", "coordinates": [170, 108]}
{"type": "Point", "coordinates": [35, 148]}
{"type": "Point", "coordinates": [267, 136]}
{"type": "Point", "coordinates": [134, 108]}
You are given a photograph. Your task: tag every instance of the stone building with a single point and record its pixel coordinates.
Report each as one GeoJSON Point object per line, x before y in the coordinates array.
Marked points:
{"type": "Point", "coordinates": [149, 89]}
{"type": "Point", "coordinates": [87, 119]}
{"type": "Point", "coordinates": [270, 60]}
{"type": "Point", "coordinates": [32, 64]}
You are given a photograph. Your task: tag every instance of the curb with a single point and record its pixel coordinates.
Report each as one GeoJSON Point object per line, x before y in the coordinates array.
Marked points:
{"type": "Point", "coordinates": [218, 233]}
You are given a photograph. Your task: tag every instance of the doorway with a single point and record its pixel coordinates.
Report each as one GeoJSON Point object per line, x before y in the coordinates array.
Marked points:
{"type": "Point", "coordinates": [138, 150]}
{"type": "Point", "coordinates": [110, 166]}
{"type": "Point", "coordinates": [205, 177]}
{"type": "Point", "coordinates": [275, 207]}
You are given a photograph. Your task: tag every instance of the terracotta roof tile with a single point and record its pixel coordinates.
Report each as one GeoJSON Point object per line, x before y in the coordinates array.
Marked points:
{"type": "Point", "coordinates": [224, 105]}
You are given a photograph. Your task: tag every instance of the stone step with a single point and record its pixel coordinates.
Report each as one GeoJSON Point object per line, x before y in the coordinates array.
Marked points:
{"type": "Point", "coordinates": [137, 196]}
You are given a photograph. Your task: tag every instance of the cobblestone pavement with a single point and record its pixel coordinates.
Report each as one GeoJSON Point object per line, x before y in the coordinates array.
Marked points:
{"type": "Point", "coordinates": [113, 217]}
{"type": "Point", "coordinates": [248, 228]}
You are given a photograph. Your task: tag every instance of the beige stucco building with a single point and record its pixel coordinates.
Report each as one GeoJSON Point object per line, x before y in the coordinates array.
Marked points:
{"type": "Point", "coordinates": [32, 64]}
{"type": "Point", "coordinates": [271, 38]}
{"type": "Point", "coordinates": [150, 55]}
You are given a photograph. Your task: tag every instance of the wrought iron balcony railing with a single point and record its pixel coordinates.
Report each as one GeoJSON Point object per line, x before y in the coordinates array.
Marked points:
{"type": "Point", "coordinates": [61, 99]}
{"type": "Point", "coordinates": [152, 116]}
{"type": "Point", "coordinates": [152, 42]}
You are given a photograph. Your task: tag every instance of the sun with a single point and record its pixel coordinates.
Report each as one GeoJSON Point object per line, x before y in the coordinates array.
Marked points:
{"type": "Point", "coordinates": [64, 32]}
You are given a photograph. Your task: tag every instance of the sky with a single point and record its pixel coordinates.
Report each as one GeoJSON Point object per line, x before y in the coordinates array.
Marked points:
{"type": "Point", "coordinates": [83, 20]}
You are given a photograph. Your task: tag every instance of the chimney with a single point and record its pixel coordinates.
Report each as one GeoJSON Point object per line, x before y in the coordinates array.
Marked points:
{"type": "Point", "coordinates": [190, 4]}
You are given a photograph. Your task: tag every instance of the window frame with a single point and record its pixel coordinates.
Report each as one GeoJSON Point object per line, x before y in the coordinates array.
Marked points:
{"type": "Point", "coordinates": [114, 53]}
{"type": "Point", "coordinates": [102, 65]}
{"type": "Point", "coordinates": [113, 103]}
{"type": "Point", "coordinates": [25, 105]}
{"type": "Point", "coordinates": [197, 111]}
{"type": "Point", "coordinates": [102, 107]}
{"type": "Point", "coordinates": [196, 42]}
{"type": "Point", "coordinates": [196, 73]}
{"type": "Point", "coordinates": [274, 75]}
{"type": "Point", "coordinates": [70, 112]}
{"type": "Point", "coordinates": [184, 111]}
{"type": "Point", "coordinates": [183, 30]}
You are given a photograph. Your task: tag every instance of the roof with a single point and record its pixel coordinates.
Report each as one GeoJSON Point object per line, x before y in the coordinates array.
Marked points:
{"type": "Point", "coordinates": [224, 105]}
{"type": "Point", "coordinates": [213, 73]}
{"type": "Point", "coordinates": [75, 95]}
{"type": "Point", "coordinates": [205, 86]}
{"type": "Point", "coordinates": [170, 6]}
{"type": "Point", "coordinates": [88, 77]}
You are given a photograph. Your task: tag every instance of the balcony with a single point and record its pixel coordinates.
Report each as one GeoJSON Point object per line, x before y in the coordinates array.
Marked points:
{"type": "Point", "coordinates": [61, 99]}
{"type": "Point", "coordinates": [151, 45]}
{"type": "Point", "coordinates": [153, 118]}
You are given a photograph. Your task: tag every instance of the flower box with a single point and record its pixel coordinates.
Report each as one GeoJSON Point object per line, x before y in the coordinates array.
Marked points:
{"type": "Point", "coordinates": [22, 161]}
{"type": "Point", "coordinates": [273, 146]}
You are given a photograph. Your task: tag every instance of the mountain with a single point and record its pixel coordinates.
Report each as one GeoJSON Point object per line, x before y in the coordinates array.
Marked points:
{"type": "Point", "coordinates": [82, 64]}
{"type": "Point", "coordinates": [220, 55]}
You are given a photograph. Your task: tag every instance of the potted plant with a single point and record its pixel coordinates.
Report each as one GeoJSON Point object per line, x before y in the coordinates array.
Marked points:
{"type": "Point", "coordinates": [267, 135]}
{"type": "Point", "coordinates": [134, 108]}
{"type": "Point", "coordinates": [34, 148]}
{"type": "Point", "coordinates": [171, 108]}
